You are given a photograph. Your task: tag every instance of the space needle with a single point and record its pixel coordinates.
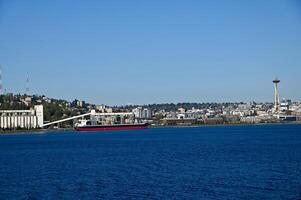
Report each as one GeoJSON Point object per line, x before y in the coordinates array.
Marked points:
{"type": "Point", "coordinates": [276, 81]}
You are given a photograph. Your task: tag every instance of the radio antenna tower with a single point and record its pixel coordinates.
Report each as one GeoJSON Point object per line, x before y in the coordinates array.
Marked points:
{"type": "Point", "coordinates": [27, 85]}
{"type": "Point", "coordinates": [1, 83]}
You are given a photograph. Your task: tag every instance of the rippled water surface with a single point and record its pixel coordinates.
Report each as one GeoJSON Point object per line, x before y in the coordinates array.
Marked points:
{"type": "Point", "coordinates": [221, 162]}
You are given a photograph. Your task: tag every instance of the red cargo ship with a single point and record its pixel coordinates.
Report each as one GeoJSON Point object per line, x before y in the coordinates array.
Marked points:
{"type": "Point", "coordinates": [86, 125]}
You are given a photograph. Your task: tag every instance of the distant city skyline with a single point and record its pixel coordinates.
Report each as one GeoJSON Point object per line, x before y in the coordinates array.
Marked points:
{"type": "Point", "coordinates": [141, 52]}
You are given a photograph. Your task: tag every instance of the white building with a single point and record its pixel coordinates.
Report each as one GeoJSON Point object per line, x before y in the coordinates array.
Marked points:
{"type": "Point", "coordinates": [146, 113]}
{"type": "Point", "coordinates": [81, 103]}
{"type": "Point", "coordinates": [24, 119]}
{"type": "Point", "coordinates": [137, 112]}
{"type": "Point", "coordinates": [285, 104]}
{"type": "Point", "coordinates": [141, 113]}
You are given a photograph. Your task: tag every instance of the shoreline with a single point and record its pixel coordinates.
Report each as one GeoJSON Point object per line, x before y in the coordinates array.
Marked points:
{"type": "Point", "coordinates": [32, 131]}
{"type": "Point", "coordinates": [237, 124]}
{"type": "Point", "coordinates": [44, 131]}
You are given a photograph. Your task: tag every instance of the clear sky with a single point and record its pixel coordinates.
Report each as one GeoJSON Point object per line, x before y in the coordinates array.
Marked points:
{"type": "Point", "coordinates": [152, 51]}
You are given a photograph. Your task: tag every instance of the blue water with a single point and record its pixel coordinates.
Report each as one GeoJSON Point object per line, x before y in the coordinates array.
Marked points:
{"type": "Point", "coordinates": [221, 162]}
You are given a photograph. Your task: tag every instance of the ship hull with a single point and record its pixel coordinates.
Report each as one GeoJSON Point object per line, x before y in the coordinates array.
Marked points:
{"type": "Point", "coordinates": [112, 127]}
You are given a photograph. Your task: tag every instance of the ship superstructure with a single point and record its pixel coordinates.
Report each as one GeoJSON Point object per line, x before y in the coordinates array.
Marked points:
{"type": "Point", "coordinates": [88, 125]}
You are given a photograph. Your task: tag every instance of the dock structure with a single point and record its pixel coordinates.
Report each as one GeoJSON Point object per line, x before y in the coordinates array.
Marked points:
{"type": "Point", "coordinates": [66, 119]}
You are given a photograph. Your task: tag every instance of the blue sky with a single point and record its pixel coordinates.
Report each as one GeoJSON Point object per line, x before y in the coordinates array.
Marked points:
{"type": "Point", "coordinates": [126, 51]}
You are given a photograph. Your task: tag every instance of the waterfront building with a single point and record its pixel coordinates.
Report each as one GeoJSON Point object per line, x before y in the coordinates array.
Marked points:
{"type": "Point", "coordinates": [147, 113]}
{"type": "Point", "coordinates": [141, 113]}
{"type": "Point", "coordinates": [285, 104]}
{"type": "Point", "coordinates": [212, 120]}
{"type": "Point", "coordinates": [181, 116]}
{"type": "Point", "coordinates": [181, 110]}
{"type": "Point", "coordinates": [250, 119]}
{"type": "Point", "coordinates": [176, 121]}
{"type": "Point", "coordinates": [137, 112]}
{"type": "Point", "coordinates": [22, 119]}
